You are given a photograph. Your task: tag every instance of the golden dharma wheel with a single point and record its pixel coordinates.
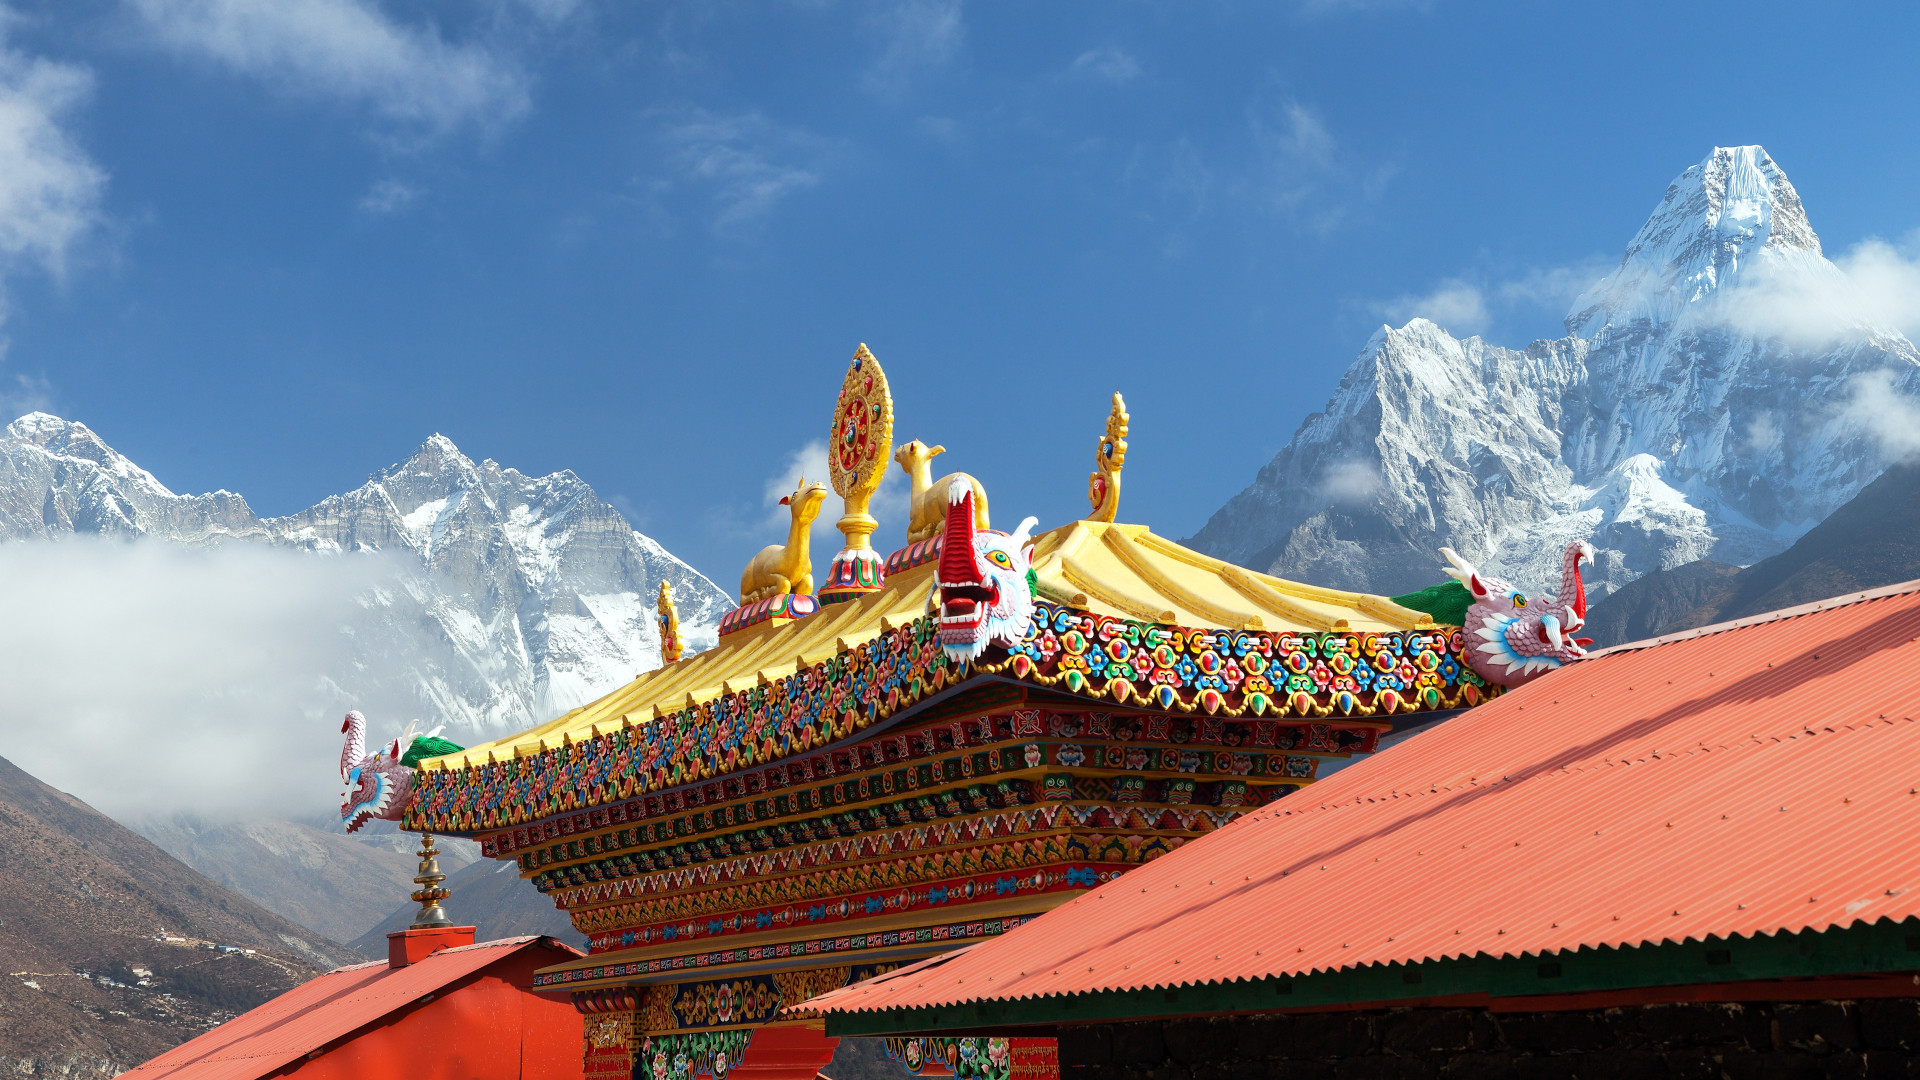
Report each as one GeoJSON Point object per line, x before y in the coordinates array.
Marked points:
{"type": "Point", "coordinates": [861, 445]}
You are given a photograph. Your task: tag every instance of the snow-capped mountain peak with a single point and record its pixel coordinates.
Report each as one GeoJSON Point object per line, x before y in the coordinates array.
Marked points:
{"type": "Point", "coordinates": [1733, 218]}
{"type": "Point", "coordinates": [75, 445]}
{"type": "Point", "coordinates": [1706, 403]}
{"type": "Point", "coordinates": [57, 476]}
{"type": "Point", "coordinates": [519, 597]}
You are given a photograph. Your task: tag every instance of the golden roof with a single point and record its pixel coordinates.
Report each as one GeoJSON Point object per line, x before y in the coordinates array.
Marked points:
{"type": "Point", "coordinates": [1118, 570]}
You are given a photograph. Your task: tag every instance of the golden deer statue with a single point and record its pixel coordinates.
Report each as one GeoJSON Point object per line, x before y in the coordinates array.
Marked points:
{"type": "Point", "coordinates": [788, 567]}
{"type": "Point", "coordinates": [928, 504]}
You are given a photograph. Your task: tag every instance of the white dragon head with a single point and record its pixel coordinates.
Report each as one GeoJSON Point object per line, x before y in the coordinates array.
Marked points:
{"type": "Point", "coordinates": [1498, 594]}
{"type": "Point", "coordinates": [378, 786]}
{"type": "Point", "coordinates": [1513, 639]}
{"type": "Point", "coordinates": [984, 592]}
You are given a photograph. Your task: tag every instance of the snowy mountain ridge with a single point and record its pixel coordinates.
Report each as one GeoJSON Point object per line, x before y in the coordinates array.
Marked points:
{"type": "Point", "coordinates": [1706, 402]}
{"type": "Point", "coordinates": [520, 596]}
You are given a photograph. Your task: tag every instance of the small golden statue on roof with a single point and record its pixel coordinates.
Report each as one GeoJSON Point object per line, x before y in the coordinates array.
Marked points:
{"type": "Point", "coordinates": [670, 644]}
{"type": "Point", "coordinates": [788, 567]}
{"type": "Point", "coordinates": [927, 504]}
{"type": "Point", "coordinates": [857, 453]}
{"type": "Point", "coordinates": [1103, 484]}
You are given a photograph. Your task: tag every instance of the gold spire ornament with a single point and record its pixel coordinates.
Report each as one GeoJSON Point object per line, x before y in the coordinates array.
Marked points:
{"type": "Point", "coordinates": [858, 451]}
{"type": "Point", "coordinates": [670, 644]}
{"type": "Point", "coordinates": [431, 915]}
{"type": "Point", "coordinates": [1103, 484]}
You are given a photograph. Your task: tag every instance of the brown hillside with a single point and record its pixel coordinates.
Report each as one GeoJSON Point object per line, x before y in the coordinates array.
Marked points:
{"type": "Point", "coordinates": [89, 985]}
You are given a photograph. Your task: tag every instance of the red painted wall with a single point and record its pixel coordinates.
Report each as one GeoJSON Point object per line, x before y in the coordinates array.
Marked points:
{"type": "Point", "coordinates": [482, 1028]}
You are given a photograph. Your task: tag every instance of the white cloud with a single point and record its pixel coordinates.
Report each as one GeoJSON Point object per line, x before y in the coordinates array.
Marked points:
{"type": "Point", "coordinates": [1554, 287]}
{"type": "Point", "coordinates": [1762, 435]}
{"type": "Point", "coordinates": [388, 197]}
{"type": "Point", "coordinates": [748, 162]}
{"type": "Point", "coordinates": [1349, 482]}
{"type": "Point", "coordinates": [1287, 164]}
{"type": "Point", "coordinates": [146, 677]}
{"type": "Point", "coordinates": [1297, 169]}
{"type": "Point", "coordinates": [916, 36]}
{"type": "Point", "coordinates": [1458, 306]}
{"type": "Point", "coordinates": [1108, 64]}
{"type": "Point", "coordinates": [50, 190]}
{"type": "Point", "coordinates": [1465, 305]}
{"type": "Point", "coordinates": [1878, 288]}
{"type": "Point", "coordinates": [1886, 282]}
{"type": "Point", "coordinates": [1889, 417]}
{"type": "Point", "coordinates": [349, 50]}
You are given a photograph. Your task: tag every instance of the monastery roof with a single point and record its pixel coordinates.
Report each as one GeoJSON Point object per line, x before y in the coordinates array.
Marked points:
{"type": "Point", "coordinates": [1741, 783]}
{"type": "Point", "coordinates": [325, 1009]}
{"type": "Point", "coordinates": [1123, 571]}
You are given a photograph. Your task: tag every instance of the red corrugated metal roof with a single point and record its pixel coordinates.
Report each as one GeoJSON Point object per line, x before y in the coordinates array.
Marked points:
{"type": "Point", "coordinates": [323, 1010]}
{"type": "Point", "coordinates": [1749, 778]}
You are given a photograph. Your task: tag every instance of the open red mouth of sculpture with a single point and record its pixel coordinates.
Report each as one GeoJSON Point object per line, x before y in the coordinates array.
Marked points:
{"type": "Point", "coordinates": [964, 607]}
{"type": "Point", "coordinates": [966, 594]}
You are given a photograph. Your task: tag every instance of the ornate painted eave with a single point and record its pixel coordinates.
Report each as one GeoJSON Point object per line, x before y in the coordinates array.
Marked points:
{"type": "Point", "coordinates": [1228, 643]}
{"type": "Point", "coordinates": [1104, 570]}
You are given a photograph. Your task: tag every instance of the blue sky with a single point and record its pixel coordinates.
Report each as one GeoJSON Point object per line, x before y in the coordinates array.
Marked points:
{"type": "Point", "coordinates": [271, 245]}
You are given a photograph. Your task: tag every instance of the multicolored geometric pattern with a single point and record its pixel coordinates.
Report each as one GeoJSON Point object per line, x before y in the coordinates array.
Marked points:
{"type": "Point", "coordinates": [1212, 673]}
{"type": "Point", "coordinates": [921, 935]}
{"type": "Point", "coordinates": [842, 907]}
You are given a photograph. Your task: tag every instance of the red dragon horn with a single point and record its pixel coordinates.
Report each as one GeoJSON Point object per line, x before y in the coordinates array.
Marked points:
{"type": "Point", "coordinates": [956, 548]}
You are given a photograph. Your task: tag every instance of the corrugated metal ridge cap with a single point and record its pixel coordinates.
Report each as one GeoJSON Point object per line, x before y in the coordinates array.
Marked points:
{"type": "Point", "coordinates": [355, 967]}
{"type": "Point", "coordinates": [831, 1002]}
{"type": "Point", "coordinates": [1828, 604]}
{"type": "Point", "coordinates": [501, 943]}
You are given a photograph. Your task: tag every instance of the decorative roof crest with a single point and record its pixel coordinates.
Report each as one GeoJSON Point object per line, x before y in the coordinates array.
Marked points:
{"type": "Point", "coordinates": [1103, 484]}
{"type": "Point", "coordinates": [857, 453]}
{"type": "Point", "coordinates": [670, 644]}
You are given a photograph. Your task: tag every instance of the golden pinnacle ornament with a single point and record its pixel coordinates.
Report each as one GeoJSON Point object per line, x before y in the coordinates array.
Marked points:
{"type": "Point", "coordinates": [858, 452]}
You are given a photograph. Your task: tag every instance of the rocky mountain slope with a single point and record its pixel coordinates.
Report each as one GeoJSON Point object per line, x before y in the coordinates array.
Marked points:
{"type": "Point", "coordinates": [1873, 540]}
{"type": "Point", "coordinates": [1712, 399]}
{"type": "Point", "coordinates": [114, 950]}
{"type": "Point", "coordinates": [306, 871]}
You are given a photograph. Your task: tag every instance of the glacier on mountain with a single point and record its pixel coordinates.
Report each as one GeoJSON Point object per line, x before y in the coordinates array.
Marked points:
{"type": "Point", "coordinates": [1705, 403]}
{"type": "Point", "coordinates": [516, 597]}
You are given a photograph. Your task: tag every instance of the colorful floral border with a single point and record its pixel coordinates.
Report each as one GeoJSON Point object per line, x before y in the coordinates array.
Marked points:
{"type": "Point", "coordinates": [1230, 673]}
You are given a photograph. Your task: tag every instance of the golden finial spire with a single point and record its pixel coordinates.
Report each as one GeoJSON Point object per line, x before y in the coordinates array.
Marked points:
{"type": "Point", "coordinates": [857, 454]}
{"type": "Point", "coordinates": [431, 915]}
{"type": "Point", "coordinates": [1103, 484]}
{"type": "Point", "coordinates": [670, 643]}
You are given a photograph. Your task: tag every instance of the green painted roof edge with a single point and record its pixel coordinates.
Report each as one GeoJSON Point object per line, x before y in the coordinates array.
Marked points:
{"type": "Point", "coordinates": [1861, 949]}
{"type": "Point", "coordinates": [1447, 602]}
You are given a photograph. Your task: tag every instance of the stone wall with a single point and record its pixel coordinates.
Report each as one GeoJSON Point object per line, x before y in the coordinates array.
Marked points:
{"type": "Point", "coordinates": [1787, 1040]}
